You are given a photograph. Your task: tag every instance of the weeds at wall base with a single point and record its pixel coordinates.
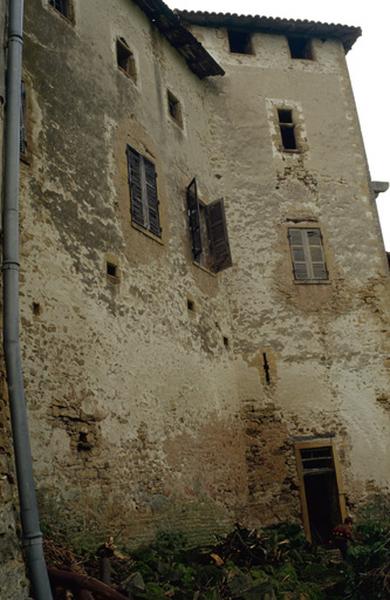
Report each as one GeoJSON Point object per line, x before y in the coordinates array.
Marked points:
{"type": "Point", "coordinates": [274, 563]}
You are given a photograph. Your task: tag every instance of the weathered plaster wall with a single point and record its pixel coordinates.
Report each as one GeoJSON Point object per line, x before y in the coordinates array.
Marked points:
{"type": "Point", "coordinates": [330, 342]}
{"type": "Point", "coordinates": [141, 417]}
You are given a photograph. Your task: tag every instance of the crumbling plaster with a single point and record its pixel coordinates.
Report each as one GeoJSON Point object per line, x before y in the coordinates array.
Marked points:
{"type": "Point", "coordinates": [141, 417]}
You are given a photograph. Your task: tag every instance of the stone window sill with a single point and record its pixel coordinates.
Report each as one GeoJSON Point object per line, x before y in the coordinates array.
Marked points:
{"type": "Point", "coordinates": [147, 233]}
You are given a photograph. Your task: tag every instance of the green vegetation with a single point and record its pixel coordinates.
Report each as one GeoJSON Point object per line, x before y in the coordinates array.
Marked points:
{"type": "Point", "coordinates": [274, 563]}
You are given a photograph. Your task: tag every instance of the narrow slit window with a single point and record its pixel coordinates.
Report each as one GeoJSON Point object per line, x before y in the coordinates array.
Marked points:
{"type": "Point", "coordinates": [174, 108]}
{"type": "Point", "coordinates": [190, 305]}
{"type": "Point", "coordinates": [307, 254]}
{"type": "Point", "coordinates": [266, 367]}
{"type": "Point", "coordinates": [300, 47]}
{"type": "Point", "coordinates": [63, 6]}
{"type": "Point", "coordinates": [125, 59]}
{"type": "Point", "coordinates": [240, 42]}
{"type": "Point", "coordinates": [287, 129]}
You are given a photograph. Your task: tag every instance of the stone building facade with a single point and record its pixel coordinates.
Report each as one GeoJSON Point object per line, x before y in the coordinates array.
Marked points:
{"type": "Point", "coordinates": [190, 362]}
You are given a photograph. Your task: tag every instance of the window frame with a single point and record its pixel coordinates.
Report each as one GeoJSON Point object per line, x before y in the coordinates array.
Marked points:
{"type": "Point", "coordinates": [143, 186]}
{"type": "Point", "coordinates": [70, 13]}
{"type": "Point", "coordinates": [131, 71]}
{"type": "Point", "coordinates": [176, 115]}
{"type": "Point", "coordinates": [306, 445]}
{"type": "Point", "coordinates": [290, 125]}
{"type": "Point", "coordinates": [308, 261]}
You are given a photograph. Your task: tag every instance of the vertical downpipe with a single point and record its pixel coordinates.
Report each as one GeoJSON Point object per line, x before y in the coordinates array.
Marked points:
{"type": "Point", "coordinates": [31, 534]}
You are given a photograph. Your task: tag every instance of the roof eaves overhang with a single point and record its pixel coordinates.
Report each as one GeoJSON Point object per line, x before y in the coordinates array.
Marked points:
{"type": "Point", "coordinates": [169, 24]}
{"type": "Point", "coordinates": [344, 33]}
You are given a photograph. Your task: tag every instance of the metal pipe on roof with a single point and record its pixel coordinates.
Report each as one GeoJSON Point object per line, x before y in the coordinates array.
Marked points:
{"type": "Point", "coordinates": [31, 534]}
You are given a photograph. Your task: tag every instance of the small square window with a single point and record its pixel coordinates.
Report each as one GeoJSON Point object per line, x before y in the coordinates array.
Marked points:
{"type": "Point", "coordinates": [174, 108]}
{"type": "Point", "coordinates": [300, 47]}
{"type": "Point", "coordinates": [240, 42]}
{"type": "Point", "coordinates": [64, 7]}
{"type": "Point", "coordinates": [125, 59]}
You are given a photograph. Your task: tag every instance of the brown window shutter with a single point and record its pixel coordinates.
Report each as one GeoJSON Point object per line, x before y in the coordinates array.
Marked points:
{"type": "Point", "coordinates": [316, 252]}
{"type": "Point", "coordinates": [134, 160]}
{"type": "Point", "coordinates": [194, 219]}
{"type": "Point", "coordinates": [152, 198]}
{"type": "Point", "coordinates": [218, 237]}
{"type": "Point", "coordinates": [297, 246]}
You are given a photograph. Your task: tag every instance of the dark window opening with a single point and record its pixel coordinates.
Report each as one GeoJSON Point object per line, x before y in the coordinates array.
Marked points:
{"type": "Point", "coordinates": [266, 368]}
{"type": "Point", "coordinates": [288, 138]}
{"type": "Point", "coordinates": [112, 270]}
{"type": "Point", "coordinates": [190, 305]}
{"type": "Point", "coordinates": [62, 6]}
{"type": "Point", "coordinates": [285, 115]}
{"type": "Point", "coordinates": [321, 491]}
{"type": "Point", "coordinates": [36, 307]}
{"type": "Point", "coordinates": [300, 47]}
{"type": "Point", "coordinates": [287, 129]}
{"type": "Point", "coordinates": [125, 59]}
{"type": "Point", "coordinates": [174, 108]}
{"type": "Point", "coordinates": [240, 42]}
{"type": "Point", "coordinates": [207, 224]}
{"type": "Point", "coordinates": [144, 203]}
{"type": "Point", "coordinates": [83, 444]}
{"type": "Point", "coordinates": [307, 254]}
{"type": "Point", "coordinates": [226, 341]}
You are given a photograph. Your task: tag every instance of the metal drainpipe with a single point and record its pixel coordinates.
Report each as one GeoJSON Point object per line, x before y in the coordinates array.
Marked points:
{"type": "Point", "coordinates": [31, 534]}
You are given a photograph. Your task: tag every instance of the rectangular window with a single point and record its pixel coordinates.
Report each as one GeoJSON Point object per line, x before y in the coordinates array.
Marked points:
{"type": "Point", "coordinates": [321, 491]}
{"type": "Point", "coordinates": [307, 254]}
{"type": "Point", "coordinates": [207, 223]}
{"type": "Point", "coordinates": [174, 108]}
{"type": "Point", "coordinates": [125, 59]}
{"type": "Point", "coordinates": [63, 6]}
{"type": "Point", "coordinates": [23, 121]}
{"type": "Point", "coordinates": [144, 204]}
{"type": "Point", "coordinates": [300, 47]}
{"type": "Point", "coordinates": [287, 129]}
{"type": "Point", "coordinates": [240, 42]}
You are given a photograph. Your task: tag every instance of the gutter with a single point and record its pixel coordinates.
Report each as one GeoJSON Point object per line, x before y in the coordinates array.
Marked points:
{"type": "Point", "coordinates": [31, 534]}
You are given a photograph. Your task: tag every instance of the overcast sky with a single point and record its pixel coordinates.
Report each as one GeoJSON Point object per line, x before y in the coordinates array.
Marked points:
{"type": "Point", "coordinates": [368, 65]}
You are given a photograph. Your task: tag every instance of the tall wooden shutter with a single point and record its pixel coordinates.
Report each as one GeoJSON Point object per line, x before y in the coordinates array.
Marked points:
{"type": "Point", "coordinates": [297, 245]}
{"type": "Point", "coordinates": [151, 197]}
{"type": "Point", "coordinates": [218, 237]}
{"type": "Point", "coordinates": [134, 160]}
{"type": "Point", "coordinates": [194, 219]}
{"type": "Point", "coordinates": [23, 115]}
{"type": "Point", "coordinates": [314, 243]}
